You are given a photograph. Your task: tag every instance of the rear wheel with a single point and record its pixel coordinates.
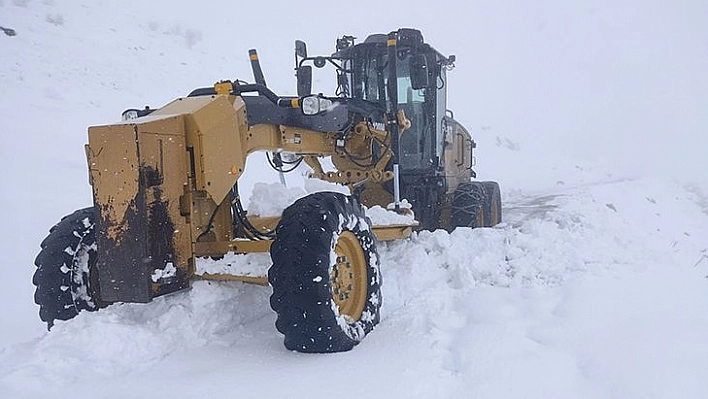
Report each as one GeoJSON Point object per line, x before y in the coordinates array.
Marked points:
{"type": "Point", "coordinates": [492, 204]}
{"type": "Point", "coordinates": [325, 274]}
{"type": "Point", "coordinates": [468, 205]}
{"type": "Point", "coordinates": [65, 277]}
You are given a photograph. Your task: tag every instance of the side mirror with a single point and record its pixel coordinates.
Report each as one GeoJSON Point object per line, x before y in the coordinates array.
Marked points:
{"type": "Point", "coordinates": [304, 81]}
{"type": "Point", "coordinates": [419, 72]}
{"type": "Point", "coordinates": [300, 49]}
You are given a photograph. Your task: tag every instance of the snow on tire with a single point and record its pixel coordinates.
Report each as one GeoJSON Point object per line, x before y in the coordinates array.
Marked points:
{"type": "Point", "coordinates": [64, 268]}
{"type": "Point", "coordinates": [325, 275]}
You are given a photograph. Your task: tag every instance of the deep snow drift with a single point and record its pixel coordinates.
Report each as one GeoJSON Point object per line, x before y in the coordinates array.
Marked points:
{"type": "Point", "coordinates": [590, 114]}
{"type": "Point", "coordinates": [596, 291]}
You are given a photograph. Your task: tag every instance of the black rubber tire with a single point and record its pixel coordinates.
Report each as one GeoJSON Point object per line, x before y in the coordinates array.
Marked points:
{"type": "Point", "coordinates": [468, 205]}
{"type": "Point", "coordinates": [492, 204]}
{"type": "Point", "coordinates": [303, 259]}
{"type": "Point", "coordinates": [65, 266]}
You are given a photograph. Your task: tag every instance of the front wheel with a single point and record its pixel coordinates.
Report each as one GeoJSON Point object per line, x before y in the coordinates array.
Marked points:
{"type": "Point", "coordinates": [325, 275]}
{"type": "Point", "coordinates": [65, 277]}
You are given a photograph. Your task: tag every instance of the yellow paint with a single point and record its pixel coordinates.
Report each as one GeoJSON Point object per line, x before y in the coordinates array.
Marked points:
{"type": "Point", "coordinates": [348, 276]}
{"type": "Point", "coordinates": [258, 280]}
{"type": "Point", "coordinates": [223, 88]}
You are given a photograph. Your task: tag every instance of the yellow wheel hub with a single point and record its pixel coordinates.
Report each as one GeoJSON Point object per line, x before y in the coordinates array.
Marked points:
{"type": "Point", "coordinates": [348, 277]}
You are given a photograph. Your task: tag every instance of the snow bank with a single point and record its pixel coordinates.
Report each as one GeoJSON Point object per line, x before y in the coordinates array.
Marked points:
{"type": "Point", "coordinates": [588, 292]}
{"type": "Point", "coordinates": [563, 299]}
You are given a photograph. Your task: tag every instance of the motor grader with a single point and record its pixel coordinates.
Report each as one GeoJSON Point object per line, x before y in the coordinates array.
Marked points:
{"type": "Point", "coordinates": [165, 190]}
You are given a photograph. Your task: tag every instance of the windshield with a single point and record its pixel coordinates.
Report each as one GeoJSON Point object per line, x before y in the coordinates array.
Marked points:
{"type": "Point", "coordinates": [370, 75]}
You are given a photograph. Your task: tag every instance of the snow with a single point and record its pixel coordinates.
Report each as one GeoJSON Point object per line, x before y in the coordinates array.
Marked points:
{"type": "Point", "coordinates": [253, 264]}
{"type": "Point", "coordinates": [82, 269]}
{"type": "Point", "coordinates": [169, 271]}
{"type": "Point", "coordinates": [591, 114]}
{"type": "Point", "coordinates": [270, 199]}
{"type": "Point", "coordinates": [383, 217]}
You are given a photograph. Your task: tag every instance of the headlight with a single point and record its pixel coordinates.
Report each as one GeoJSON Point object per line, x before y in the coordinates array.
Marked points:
{"type": "Point", "coordinates": [130, 114]}
{"type": "Point", "coordinates": [313, 105]}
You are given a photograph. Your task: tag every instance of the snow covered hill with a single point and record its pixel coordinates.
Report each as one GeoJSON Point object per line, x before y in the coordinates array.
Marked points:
{"type": "Point", "coordinates": [591, 115]}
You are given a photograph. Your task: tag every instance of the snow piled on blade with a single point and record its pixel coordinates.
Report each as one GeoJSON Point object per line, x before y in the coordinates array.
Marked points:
{"type": "Point", "coordinates": [270, 199]}
{"type": "Point", "coordinates": [384, 217]}
{"type": "Point", "coordinates": [253, 264]}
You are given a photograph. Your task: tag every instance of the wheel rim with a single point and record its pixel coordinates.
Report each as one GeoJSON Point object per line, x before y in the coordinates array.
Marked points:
{"type": "Point", "coordinates": [348, 277]}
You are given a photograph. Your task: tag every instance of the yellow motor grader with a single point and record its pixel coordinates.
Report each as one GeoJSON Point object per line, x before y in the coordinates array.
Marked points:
{"type": "Point", "coordinates": [165, 190]}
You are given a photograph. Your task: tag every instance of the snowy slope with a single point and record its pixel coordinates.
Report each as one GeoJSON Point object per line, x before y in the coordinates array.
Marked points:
{"type": "Point", "coordinates": [597, 291]}
{"type": "Point", "coordinates": [591, 115]}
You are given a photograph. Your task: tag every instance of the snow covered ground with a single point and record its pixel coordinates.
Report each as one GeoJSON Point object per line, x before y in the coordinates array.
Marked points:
{"type": "Point", "coordinates": [591, 115]}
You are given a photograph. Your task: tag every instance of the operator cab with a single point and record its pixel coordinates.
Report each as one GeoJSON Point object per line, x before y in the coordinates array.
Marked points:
{"type": "Point", "coordinates": [422, 88]}
{"type": "Point", "coordinates": [429, 167]}
{"type": "Point", "coordinates": [422, 98]}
